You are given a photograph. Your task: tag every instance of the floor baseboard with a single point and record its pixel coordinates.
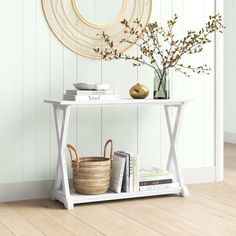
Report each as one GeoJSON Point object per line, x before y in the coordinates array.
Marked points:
{"type": "Point", "coordinates": [229, 137]}
{"type": "Point", "coordinates": [199, 175]}
{"type": "Point", "coordinates": [41, 189]}
{"type": "Point", "coordinates": [25, 190]}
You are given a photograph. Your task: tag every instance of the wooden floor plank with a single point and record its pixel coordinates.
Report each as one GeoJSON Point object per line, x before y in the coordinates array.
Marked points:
{"type": "Point", "coordinates": [16, 223]}
{"type": "Point", "coordinates": [159, 219]}
{"type": "Point", "coordinates": [38, 220]}
{"type": "Point", "coordinates": [205, 217]}
{"type": "Point", "coordinates": [111, 222]}
{"type": "Point", "coordinates": [4, 231]}
{"type": "Point", "coordinates": [58, 213]}
{"type": "Point", "coordinates": [219, 192]}
{"type": "Point", "coordinates": [213, 205]}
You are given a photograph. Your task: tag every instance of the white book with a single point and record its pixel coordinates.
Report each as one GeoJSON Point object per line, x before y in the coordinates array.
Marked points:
{"type": "Point", "coordinates": [117, 173]}
{"type": "Point", "coordinates": [135, 174]}
{"type": "Point", "coordinates": [152, 174]}
{"type": "Point", "coordinates": [156, 178]}
{"type": "Point", "coordinates": [131, 166]}
{"type": "Point", "coordinates": [90, 92]}
{"type": "Point", "coordinates": [158, 187]}
{"type": "Point", "coordinates": [68, 97]}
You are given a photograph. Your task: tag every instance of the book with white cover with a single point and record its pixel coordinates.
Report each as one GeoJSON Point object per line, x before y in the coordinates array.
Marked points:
{"type": "Point", "coordinates": [90, 92]}
{"type": "Point", "coordinates": [152, 174]}
{"type": "Point", "coordinates": [117, 173]}
{"type": "Point", "coordinates": [131, 171]}
{"type": "Point", "coordinates": [76, 98]}
{"type": "Point", "coordinates": [134, 175]}
{"type": "Point", "coordinates": [136, 172]}
{"type": "Point", "coordinates": [159, 187]}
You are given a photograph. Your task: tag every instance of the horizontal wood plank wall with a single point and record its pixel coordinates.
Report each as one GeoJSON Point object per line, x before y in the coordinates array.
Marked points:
{"type": "Point", "coordinates": [35, 65]}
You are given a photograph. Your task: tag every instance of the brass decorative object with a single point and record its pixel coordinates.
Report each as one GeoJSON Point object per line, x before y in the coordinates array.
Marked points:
{"type": "Point", "coordinates": [81, 35]}
{"type": "Point", "coordinates": [139, 91]}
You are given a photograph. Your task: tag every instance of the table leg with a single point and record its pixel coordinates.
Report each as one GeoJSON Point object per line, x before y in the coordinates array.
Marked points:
{"type": "Point", "coordinates": [173, 135]}
{"type": "Point", "coordinates": [62, 115]}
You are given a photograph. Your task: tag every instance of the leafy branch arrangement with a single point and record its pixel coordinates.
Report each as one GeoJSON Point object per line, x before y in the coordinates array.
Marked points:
{"type": "Point", "coordinates": [159, 47]}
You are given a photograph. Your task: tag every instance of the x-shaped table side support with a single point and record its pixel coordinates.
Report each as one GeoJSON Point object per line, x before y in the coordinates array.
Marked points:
{"type": "Point", "coordinates": [62, 115]}
{"type": "Point", "coordinates": [173, 136]}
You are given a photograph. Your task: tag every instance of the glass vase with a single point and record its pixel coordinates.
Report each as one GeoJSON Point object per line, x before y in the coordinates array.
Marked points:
{"type": "Point", "coordinates": [161, 84]}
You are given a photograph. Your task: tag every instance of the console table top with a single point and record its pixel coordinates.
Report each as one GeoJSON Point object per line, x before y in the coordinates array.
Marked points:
{"type": "Point", "coordinates": [124, 101]}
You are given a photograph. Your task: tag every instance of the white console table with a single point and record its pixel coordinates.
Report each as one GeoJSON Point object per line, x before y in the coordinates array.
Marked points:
{"type": "Point", "coordinates": [61, 190]}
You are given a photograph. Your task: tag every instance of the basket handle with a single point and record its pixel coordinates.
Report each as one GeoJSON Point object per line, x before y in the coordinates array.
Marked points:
{"type": "Point", "coordinates": [73, 150]}
{"type": "Point", "coordinates": [111, 149]}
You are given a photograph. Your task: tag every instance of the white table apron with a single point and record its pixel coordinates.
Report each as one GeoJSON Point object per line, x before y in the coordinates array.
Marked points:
{"type": "Point", "coordinates": [61, 189]}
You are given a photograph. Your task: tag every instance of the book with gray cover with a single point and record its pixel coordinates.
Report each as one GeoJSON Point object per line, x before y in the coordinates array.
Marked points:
{"type": "Point", "coordinates": [126, 178]}
{"type": "Point", "coordinates": [117, 173]}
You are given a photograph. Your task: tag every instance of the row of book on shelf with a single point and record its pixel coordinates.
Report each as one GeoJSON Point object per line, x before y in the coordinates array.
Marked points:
{"type": "Point", "coordinates": [127, 177]}
{"type": "Point", "coordinates": [90, 95]}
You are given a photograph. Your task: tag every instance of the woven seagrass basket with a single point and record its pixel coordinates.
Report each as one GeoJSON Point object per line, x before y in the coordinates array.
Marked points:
{"type": "Point", "coordinates": [91, 175]}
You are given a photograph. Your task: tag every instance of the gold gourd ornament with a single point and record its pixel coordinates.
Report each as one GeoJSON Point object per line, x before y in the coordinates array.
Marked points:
{"type": "Point", "coordinates": [139, 91]}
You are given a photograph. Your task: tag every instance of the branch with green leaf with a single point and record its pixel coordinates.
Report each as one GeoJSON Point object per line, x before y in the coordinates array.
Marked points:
{"type": "Point", "coordinates": [159, 47]}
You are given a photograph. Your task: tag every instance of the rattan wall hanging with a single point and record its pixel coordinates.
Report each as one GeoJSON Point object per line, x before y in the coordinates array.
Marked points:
{"type": "Point", "coordinates": [80, 35]}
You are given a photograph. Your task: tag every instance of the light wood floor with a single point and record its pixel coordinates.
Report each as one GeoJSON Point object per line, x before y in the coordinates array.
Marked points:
{"type": "Point", "coordinates": [210, 210]}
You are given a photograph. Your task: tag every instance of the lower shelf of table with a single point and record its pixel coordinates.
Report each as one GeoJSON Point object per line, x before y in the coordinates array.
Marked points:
{"type": "Point", "coordinates": [76, 198]}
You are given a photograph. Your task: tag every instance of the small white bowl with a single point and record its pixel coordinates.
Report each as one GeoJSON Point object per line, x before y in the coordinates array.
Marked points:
{"type": "Point", "coordinates": [88, 86]}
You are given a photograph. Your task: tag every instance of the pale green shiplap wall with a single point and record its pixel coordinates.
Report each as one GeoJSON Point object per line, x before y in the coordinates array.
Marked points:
{"type": "Point", "coordinates": [34, 66]}
{"type": "Point", "coordinates": [229, 72]}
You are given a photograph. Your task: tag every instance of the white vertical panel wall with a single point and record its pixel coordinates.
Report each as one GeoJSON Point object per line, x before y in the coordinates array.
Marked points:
{"type": "Point", "coordinates": [35, 65]}
{"type": "Point", "coordinates": [230, 72]}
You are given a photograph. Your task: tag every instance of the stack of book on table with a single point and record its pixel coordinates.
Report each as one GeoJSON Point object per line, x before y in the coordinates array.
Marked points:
{"type": "Point", "coordinates": [155, 179]}
{"type": "Point", "coordinates": [125, 172]}
{"type": "Point", "coordinates": [90, 95]}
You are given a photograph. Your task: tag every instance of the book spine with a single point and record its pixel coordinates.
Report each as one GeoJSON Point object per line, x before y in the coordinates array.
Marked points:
{"type": "Point", "coordinates": [124, 187]}
{"type": "Point", "coordinates": [74, 98]}
{"type": "Point", "coordinates": [158, 187]}
{"type": "Point", "coordinates": [156, 178]}
{"type": "Point", "coordinates": [88, 92]}
{"type": "Point", "coordinates": [135, 173]}
{"type": "Point", "coordinates": [132, 173]}
{"type": "Point", "coordinates": [90, 97]}
{"type": "Point", "coordinates": [107, 97]}
{"type": "Point", "coordinates": [117, 173]}
{"type": "Point", "coordinates": [121, 177]}
{"type": "Point", "coordinates": [128, 174]}
{"type": "Point", "coordinates": [164, 181]}
{"type": "Point", "coordinates": [131, 176]}
{"type": "Point", "coordinates": [138, 175]}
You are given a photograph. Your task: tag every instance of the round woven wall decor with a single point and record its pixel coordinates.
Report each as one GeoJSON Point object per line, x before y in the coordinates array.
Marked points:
{"type": "Point", "coordinates": [82, 36]}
